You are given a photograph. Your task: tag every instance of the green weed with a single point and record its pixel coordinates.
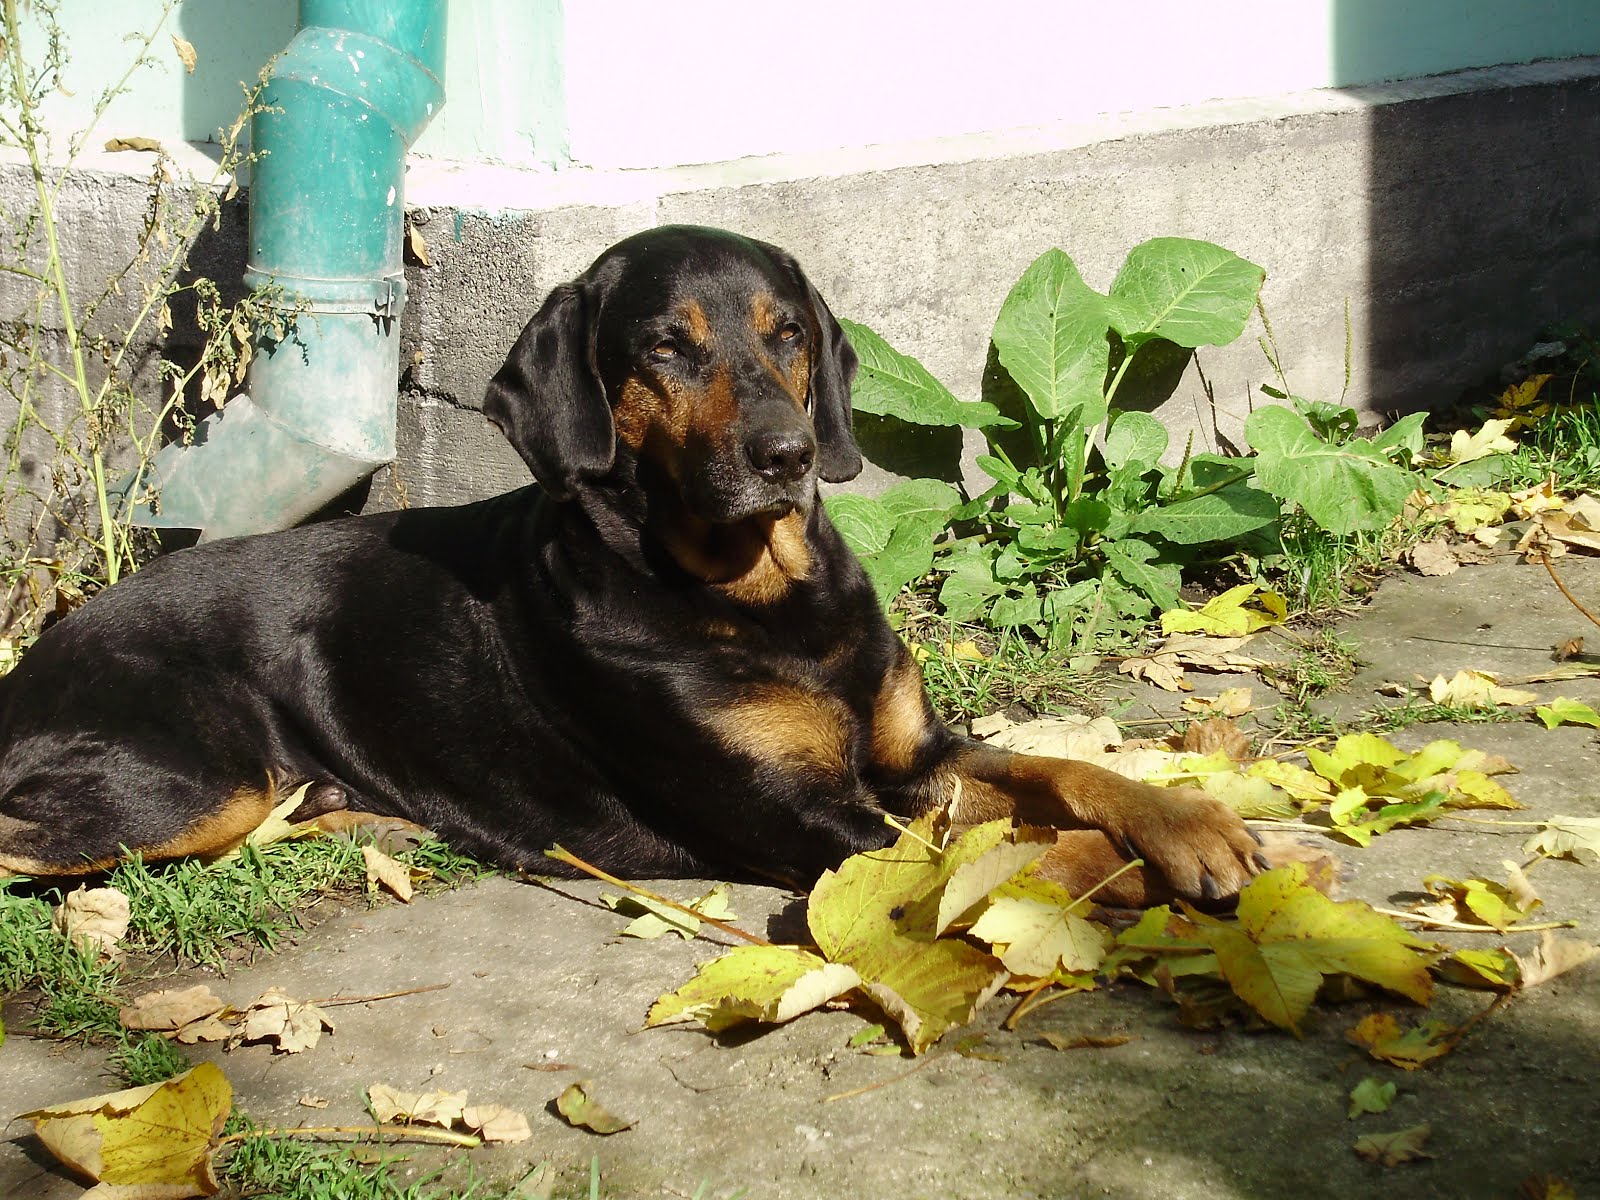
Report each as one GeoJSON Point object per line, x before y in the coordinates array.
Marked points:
{"type": "Point", "coordinates": [1388, 718]}
{"type": "Point", "coordinates": [1013, 669]}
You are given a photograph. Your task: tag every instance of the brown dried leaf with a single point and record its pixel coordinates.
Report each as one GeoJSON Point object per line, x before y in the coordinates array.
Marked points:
{"type": "Point", "coordinates": [381, 869]}
{"type": "Point", "coordinates": [1085, 1041]}
{"type": "Point", "coordinates": [1554, 956]}
{"type": "Point", "coordinates": [391, 1106]}
{"type": "Point", "coordinates": [133, 143]}
{"type": "Point", "coordinates": [208, 1029]}
{"type": "Point", "coordinates": [1060, 737]}
{"type": "Point", "coordinates": [171, 1009]}
{"type": "Point", "coordinates": [496, 1123]}
{"type": "Point", "coordinates": [1570, 648]}
{"type": "Point", "coordinates": [1219, 733]}
{"type": "Point", "coordinates": [186, 54]}
{"type": "Point", "coordinates": [417, 246]}
{"type": "Point", "coordinates": [1392, 1149]}
{"type": "Point", "coordinates": [293, 1025]}
{"type": "Point", "coordinates": [1434, 558]}
{"type": "Point", "coordinates": [94, 919]}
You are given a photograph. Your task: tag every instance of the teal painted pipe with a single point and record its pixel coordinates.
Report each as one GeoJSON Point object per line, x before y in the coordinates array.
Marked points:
{"type": "Point", "coordinates": [354, 89]}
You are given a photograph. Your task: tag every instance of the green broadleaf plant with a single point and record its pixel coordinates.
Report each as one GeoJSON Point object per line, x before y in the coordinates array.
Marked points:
{"type": "Point", "coordinates": [1083, 505]}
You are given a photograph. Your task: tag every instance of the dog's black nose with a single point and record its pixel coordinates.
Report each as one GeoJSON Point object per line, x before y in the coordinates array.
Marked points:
{"type": "Point", "coordinates": [780, 456]}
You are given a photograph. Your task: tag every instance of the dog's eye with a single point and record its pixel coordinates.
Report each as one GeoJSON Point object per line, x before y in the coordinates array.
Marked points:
{"type": "Point", "coordinates": [664, 349]}
{"type": "Point", "coordinates": [790, 333]}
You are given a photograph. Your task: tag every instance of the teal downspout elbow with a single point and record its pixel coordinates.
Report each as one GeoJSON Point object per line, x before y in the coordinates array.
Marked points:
{"type": "Point", "coordinates": [354, 89]}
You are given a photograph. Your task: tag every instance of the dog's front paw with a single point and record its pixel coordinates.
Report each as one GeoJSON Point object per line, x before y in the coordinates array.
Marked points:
{"type": "Point", "coordinates": [1198, 844]}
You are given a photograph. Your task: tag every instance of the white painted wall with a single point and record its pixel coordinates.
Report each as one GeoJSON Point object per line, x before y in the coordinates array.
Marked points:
{"type": "Point", "coordinates": [651, 85]}
{"type": "Point", "coordinates": [640, 83]}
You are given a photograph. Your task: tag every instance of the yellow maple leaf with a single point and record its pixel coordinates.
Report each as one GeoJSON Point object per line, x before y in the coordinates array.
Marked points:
{"type": "Point", "coordinates": [159, 1136]}
{"type": "Point", "coordinates": [1490, 439]}
{"type": "Point", "coordinates": [1381, 1036]}
{"type": "Point", "coordinates": [1289, 936]}
{"type": "Point", "coordinates": [1520, 402]}
{"type": "Point", "coordinates": [1228, 615]}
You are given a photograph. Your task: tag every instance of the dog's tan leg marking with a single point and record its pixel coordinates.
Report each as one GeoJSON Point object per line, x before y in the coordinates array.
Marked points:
{"type": "Point", "coordinates": [900, 717]}
{"type": "Point", "coordinates": [220, 831]}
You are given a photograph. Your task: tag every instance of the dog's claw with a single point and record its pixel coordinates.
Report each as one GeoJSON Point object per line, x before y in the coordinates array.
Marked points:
{"type": "Point", "coordinates": [1208, 887]}
{"type": "Point", "coordinates": [1261, 861]}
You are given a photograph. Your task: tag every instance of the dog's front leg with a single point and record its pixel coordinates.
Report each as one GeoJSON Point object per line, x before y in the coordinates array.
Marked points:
{"type": "Point", "coordinates": [1192, 845]}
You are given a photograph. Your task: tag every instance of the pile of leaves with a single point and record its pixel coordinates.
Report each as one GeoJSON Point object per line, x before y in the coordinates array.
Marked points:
{"type": "Point", "coordinates": [925, 932]}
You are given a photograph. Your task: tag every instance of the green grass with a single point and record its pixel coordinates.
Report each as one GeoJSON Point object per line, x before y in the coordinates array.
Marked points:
{"type": "Point", "coordinates": [75, 992]}
{"type": "Point", "coordinates": [147, 1058]}
{"type": "Point", "coordinates": [186, 911]}
{"type": "Point", "coordinates": [275, 1168]}
{"type": "Point", "coordinates": [1564, 443]}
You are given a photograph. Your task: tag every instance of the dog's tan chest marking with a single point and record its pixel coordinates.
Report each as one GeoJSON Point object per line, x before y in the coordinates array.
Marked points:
{"type": "Point", "coordinates": [788, 725]}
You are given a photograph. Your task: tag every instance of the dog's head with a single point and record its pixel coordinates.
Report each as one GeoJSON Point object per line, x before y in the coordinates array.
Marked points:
{"type": "Point", "coordinates": [705, 357]}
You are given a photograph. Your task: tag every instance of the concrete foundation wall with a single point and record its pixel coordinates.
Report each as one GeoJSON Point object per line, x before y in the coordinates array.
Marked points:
{"type": "Point", "coordinates": [1455, 215]}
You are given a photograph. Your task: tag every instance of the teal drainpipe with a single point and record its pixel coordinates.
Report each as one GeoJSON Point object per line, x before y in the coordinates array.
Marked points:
{"type": "Point", "coordinates": [354, 89]}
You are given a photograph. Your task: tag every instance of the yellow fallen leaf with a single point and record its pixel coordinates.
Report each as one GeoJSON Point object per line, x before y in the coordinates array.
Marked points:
{"type": "Point", "coordinates": [581, 1109]}
{"type": "Point", "coordinates": [1037, 928]}
{"type": "Point", "coordinates": [1380, 1035]}
{"type": "Point", "coordinates": [1541, 497]}
{"type": "Point", "coordinates": [1229, 702]}
{"type": "Point", "coordinates": [1491, 439]}
{"type": "Point", "coordinates": [160, 1138]}
{"type": "Point", "coordinates": [1521, 401]}
{"type": "Point", "coordinates": [1229, 614]}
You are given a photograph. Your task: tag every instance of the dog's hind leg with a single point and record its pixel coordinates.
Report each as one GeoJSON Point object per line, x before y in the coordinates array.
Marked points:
{"type": "Point", "coordinates": [75, 822]}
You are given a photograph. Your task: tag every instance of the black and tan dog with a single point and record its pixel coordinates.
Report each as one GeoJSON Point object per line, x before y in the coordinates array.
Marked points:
{"type": "Point", "coordinates": [663, 657]}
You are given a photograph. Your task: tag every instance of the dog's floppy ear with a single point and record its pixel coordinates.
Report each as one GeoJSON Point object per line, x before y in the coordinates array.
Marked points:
{"type": "Point", "coordinates": [833, 368]}
{"type": "Point", "coordinates": [547, 398]}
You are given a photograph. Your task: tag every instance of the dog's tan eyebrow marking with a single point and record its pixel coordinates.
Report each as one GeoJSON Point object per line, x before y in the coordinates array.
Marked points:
{"type": "Point", "coordinates": [695, 322]}
{"type": "Point", "coordinates": [764, 314]}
